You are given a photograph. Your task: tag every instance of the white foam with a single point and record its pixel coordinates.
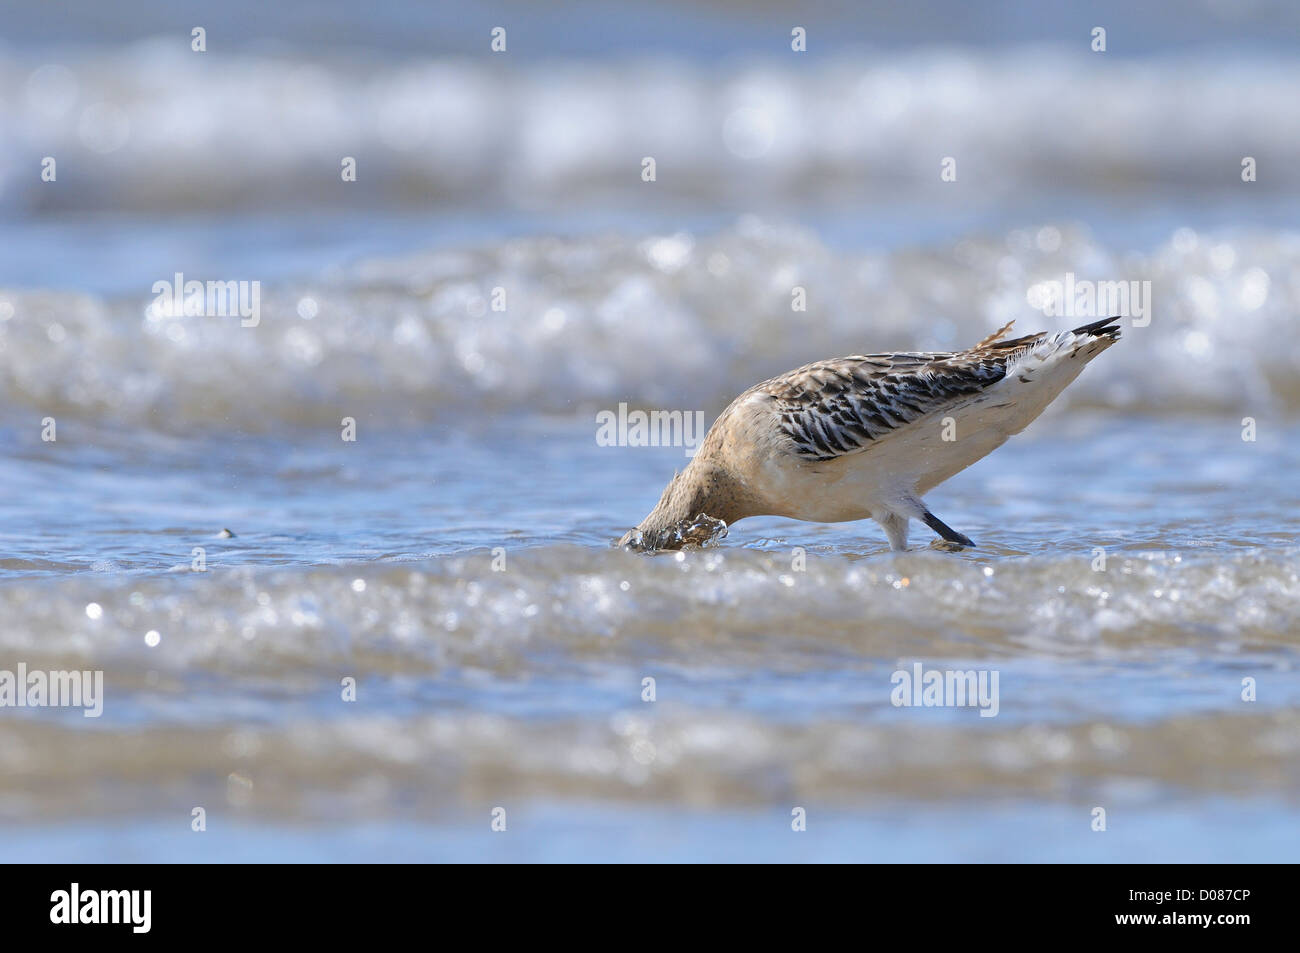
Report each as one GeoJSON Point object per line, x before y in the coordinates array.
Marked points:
{"type": "Point", "coordinates": [252, 131]}
{"type": "Point", "coordinates": [678, 321]}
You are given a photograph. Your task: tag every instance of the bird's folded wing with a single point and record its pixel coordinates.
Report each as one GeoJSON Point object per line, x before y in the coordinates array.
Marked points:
{"type": "Point", "coordinates": [838, 407]}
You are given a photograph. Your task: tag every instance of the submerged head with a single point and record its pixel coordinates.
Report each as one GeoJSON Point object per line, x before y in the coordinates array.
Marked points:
{"type": "Point", "coordinates": [694, 510]}
{"type": "Point", "coordinates": [699, 532]}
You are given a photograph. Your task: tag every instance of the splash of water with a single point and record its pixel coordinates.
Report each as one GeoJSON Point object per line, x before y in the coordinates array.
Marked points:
{"type": "Point", "coordinates": [694, 533]}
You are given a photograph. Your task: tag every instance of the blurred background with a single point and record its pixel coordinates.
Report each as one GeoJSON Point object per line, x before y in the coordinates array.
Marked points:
{"type": "Point", "coordinates": [454, 559]}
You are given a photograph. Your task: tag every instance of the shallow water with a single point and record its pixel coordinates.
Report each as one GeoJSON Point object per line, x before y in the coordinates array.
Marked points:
{"type": "Point", "coordinates": [1137, 559]}
{"type": "Point", "coordinates": [480, 688]}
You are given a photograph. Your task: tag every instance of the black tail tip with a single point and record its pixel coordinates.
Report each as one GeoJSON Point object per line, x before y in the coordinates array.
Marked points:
{"type": "Point", "coordinates": [1098, 328]}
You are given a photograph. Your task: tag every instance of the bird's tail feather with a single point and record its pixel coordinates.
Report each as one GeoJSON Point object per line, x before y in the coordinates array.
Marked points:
{"type": "Point", "coordinates": [1098, 328]}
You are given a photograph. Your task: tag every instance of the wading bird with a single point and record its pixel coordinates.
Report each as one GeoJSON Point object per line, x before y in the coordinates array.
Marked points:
{"type": "Point", "coordinates": [866, 436]}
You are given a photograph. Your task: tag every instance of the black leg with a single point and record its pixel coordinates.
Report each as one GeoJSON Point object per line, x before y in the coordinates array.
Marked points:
{"type": "Point", "coordinates": [944, 530]}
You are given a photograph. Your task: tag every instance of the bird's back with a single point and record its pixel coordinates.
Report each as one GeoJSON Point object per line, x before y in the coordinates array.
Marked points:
{"type": "Point", "coordinates": [847, 405]}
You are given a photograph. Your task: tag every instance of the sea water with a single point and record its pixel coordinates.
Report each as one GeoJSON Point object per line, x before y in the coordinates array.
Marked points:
{"type": "Point", "coordinates": [363, 648]}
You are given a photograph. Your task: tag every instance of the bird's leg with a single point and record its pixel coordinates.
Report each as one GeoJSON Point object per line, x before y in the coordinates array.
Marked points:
{"type": "Point", "coordinates": [895, 528]}
{"type": "Point", "coordinates": [944, 530]}
{"type": "Point", "coordinates": [909, 506]}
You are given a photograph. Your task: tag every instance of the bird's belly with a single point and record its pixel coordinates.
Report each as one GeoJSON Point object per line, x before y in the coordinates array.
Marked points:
{"type": "Point", "coordinates": [822, 492]}
{"type": "Point", "coordinates": [913, 460]}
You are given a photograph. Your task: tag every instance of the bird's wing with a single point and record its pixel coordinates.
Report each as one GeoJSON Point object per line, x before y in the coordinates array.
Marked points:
{"type": "Point", "coordinates": [832, 408]}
